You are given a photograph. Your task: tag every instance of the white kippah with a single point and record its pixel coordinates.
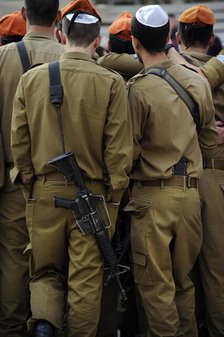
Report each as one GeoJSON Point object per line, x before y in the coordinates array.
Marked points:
{"type": "Point", "coordinates": [84, 18]}
{"type": "Point", "coordinates": [152, 16]}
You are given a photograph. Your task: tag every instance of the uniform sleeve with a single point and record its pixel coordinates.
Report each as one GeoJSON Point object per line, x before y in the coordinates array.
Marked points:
{"type": "Point", "coordinates": [124, 64]}
{"type": "Point", "coordinates": [214, 71]}
{"type": "Point", "coordinates": [118, 152]}
{"type": "Point", "coordinates": [20, 137]}
{"type": "Point", "coordinates": [138, 117]}
{"type": "Point", "coordinates": [208, 137]}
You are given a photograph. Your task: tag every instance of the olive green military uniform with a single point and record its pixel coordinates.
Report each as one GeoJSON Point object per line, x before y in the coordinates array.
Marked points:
{"type": "Point", "coordinates": [14, 289]}
{"type": "Point", "coordinates": [128, 66]}
{"type": "Point", "coordinates": [214, 71]}
{"type": "Point", "coordinates": [128, 317]}
{"type": "Point", "coordinates": [211, 259]}
{"type": "Point", "coordinates": [166, 221]}
{"type": "Point", "coordinates": [97, 128]}
{"type": "Point", "coordinates": [125, 64]}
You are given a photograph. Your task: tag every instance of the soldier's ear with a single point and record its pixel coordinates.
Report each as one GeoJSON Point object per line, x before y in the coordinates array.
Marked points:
{"type": "Point", "coordinates": [211, 40]}
{"type": "Point", "coordinates": [23, 12]}
{"type": "Point", "coordinates": [178, 38]}
{"type": "Point", "coordinates": [135, 43]}
{"type": "Point", "coordinates": [62, 37]}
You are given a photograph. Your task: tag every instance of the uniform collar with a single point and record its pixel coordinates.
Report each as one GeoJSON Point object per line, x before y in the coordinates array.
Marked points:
{"type": "Point", "coordinates": [164, 65]}
{"type": "Point", "coordinates": [75, 55]}
{"type": "Point", "coordinates": [196, 55]}
{"type": "Point", "coordinates": [144, 72]}
{"type": "Point", "coordinates": [37, 36]}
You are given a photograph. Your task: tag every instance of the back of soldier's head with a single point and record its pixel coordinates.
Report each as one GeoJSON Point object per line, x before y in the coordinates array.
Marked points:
{"type": "Point", "coordinates": [80, 22]}
{"type": "Point", "coordinates": [150, 26]}
{"type": "Point", "coordinates": [41, 12]}
{"type": "Point", "coordinates": [120, 34]}
{"type": "Point", "coordinates": [196, 26]}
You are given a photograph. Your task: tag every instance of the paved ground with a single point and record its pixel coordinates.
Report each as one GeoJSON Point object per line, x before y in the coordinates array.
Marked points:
{"type": "Point", "coordinates": [110, 11]}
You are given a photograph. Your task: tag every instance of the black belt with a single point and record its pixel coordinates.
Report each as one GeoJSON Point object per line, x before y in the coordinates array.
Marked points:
{"type": "Point", "coordinates": [181, 181]}
{"type": "Point", "coordinates": [213, 164]}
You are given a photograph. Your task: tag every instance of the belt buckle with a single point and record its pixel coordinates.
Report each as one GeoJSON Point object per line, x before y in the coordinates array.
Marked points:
{"type": "Point", "coordinates": [188, 181]}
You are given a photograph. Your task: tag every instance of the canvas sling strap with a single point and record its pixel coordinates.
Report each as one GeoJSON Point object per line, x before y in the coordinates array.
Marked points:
{"type": "Point", "coordinates": [57, 95]}
{"type": "Point", "coordinates": [23, 56]}
{"type": "Point", "coordinates": [182, 92]}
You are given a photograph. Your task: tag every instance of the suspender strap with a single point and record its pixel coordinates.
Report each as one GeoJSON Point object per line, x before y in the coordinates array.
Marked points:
{"type": "Point", "coordinates": [56, 89]}
{"type": "Point", "coordinates": [56, 95]}
{"type": "Point", "coordinates": [184, 95]}
{"type": "Point", "coordinates": [23, 55]}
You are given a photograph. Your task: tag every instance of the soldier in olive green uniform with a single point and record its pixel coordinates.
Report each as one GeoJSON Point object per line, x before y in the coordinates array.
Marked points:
{"type": "Point", "coordinates": [97, 128]}
{"type": "Point", "coordinates": [14, 289]}
{"type": "Point", "coordinates": [166, 220]}
{"type": "Point", "coordinates": [195, 35]}
{"type": "Point", "coordinates": [121, 56]}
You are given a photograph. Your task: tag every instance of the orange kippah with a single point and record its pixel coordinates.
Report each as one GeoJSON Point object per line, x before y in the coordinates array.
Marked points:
{"type": "Point", "coordinates": [199, 14]}
{"type": "Point", "coordinates": [80, 5]}
{"type": "Point", "coordinates": [121, 27]}
{"type": "Point", "coordinates": [12, 24]}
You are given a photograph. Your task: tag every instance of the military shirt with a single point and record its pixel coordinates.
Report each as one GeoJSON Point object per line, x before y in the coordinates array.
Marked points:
{"type": "Point", "coordinates": [95, 117]}
{"type": "Point", "coordinates": [125, 64]}
{"type": "Point", "coordinates": [214, 71]}
{"type": "Point", "coordinates": [199, 59]}
{"type": "Point", "coordinates": [164, 130]}
{"type": "Point", "coordinates": [41, 48]}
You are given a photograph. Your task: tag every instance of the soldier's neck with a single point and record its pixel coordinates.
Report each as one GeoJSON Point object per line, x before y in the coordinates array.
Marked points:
{"type": "Point", "coordinates": [41, 29]}
{"type": "Point", "coordinates": [149, 59]}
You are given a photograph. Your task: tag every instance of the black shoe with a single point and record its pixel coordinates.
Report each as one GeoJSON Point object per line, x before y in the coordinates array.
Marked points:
{"type": "Point", "coordinates": [43, 329]}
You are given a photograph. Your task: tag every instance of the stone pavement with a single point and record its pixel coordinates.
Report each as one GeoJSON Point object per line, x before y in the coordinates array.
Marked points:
{"type": "Point", "coordinates": [109, 9]}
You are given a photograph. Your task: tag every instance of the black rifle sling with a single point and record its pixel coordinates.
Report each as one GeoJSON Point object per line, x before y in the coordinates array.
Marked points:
{"type": "Point", "coordinates": [23, 56]}
{"type": "Point", "coordinates": [183, 94]}
{"type": "Point", "coordinates": [56, 89]}
{"type": "Point", "coordinates": [56, 95]}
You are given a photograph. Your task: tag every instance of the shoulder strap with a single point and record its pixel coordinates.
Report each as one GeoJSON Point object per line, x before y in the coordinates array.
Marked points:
{"type": "Point", "coordinates": [56, 95]}
{"type": "Point", "coordinates": [23, 55]}
{"type": "Point", "coordinates": [182, 92]}
{"type": "Point", "coordinates": [56, 89]}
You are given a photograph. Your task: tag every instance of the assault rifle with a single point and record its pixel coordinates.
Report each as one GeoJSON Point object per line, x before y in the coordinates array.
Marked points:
{"type": "Point", "coordinates": [89, 219]}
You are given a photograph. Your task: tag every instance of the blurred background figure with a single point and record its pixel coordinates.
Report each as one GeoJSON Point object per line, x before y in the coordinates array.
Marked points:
{"type": "Point", "coordinates": [173, 30]}
{"type": "Point", "coordinates": [12, 28]}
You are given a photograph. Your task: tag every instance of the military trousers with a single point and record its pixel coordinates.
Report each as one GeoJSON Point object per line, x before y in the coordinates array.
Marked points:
{"type": "Point", "coordinates": [66, 266]}
{"type": "Point", "coordinates": [14, 275]}
{"type": "Point", "coordinates": [166, 237]}
{"type": "Point", "coordinates": [211, 258]}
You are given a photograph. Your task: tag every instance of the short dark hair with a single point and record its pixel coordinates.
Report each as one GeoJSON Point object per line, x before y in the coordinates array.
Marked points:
{"type": "Point", "coordinates": [120, 46]}
{"type": "Point", "coordinates": [195, 34]}
{"type": "Point", "coordinates": [41, 12]}
{"type": "Point", "coordinates": [152, 39]}
{"type": "Point", "coordinates": [79, 33]}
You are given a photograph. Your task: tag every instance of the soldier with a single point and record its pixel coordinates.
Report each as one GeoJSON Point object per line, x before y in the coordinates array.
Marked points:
{"type": "Point", "coordinates": [121, 56]}
{"type": "Point", "coordinates": [67, 266]}
{"type": "Point", "coordinates": [39, 42]}
{"type": "Point", "coordinates": [212, 70]}
{"type": "Point", "coordinates": [195, 36]}
{"type": "Point", "coordinates": [165, 206]}
{"type": "Point", "coordinates": [12, 28]}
